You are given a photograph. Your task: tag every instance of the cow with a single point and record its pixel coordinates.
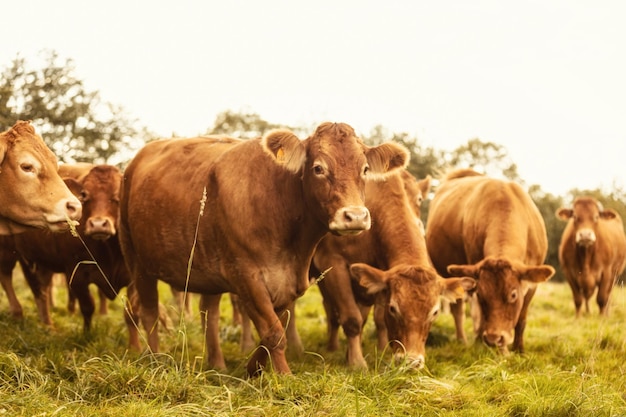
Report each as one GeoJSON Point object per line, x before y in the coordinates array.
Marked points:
{"type": "Point", "coordinates": [32, 194]}
{"type": "Point", "coordinates": [216, 215]}
{"type": "Point", "coordinates": [491, 230]}
{"type": "Point", "coordinates": [592, 252]}
{"type": "Point", "coordinates": [43, 253]}
{"type": "Point", "coordinates": [387, 266]}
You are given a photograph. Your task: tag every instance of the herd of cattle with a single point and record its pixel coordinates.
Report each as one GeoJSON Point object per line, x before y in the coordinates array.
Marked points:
{"type": "Point", "coordinates": [264, 219]}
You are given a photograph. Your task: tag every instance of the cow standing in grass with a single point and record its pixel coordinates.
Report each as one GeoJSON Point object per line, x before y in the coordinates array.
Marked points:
{"type": "Point", "coordinates": [222, 215]}
{"type": "Point", "coordinates": [491, 230]}
{"type": "Point", "coordinates": [592, 252]}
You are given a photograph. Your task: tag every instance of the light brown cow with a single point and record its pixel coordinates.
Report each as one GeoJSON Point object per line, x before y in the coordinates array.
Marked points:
{"type": "Point", "coordinates": [390, 263]}
{"type": "Point", "coordinates": [592, 252]}
{"type": "Point", "coordinates": [267, 203]}
{"type": "Point", "coordinates": [32, 194]}
{"type": "Point", "coordinates": [490, 229]}
{"type": "Point", "coordinates": [44, 253]}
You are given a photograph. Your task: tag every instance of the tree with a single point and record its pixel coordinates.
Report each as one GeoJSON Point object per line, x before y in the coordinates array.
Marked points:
{"type": "Point", "coordinates": [73, 121]}
{"type": "Point", "coordinates": [244, 125]}
{"type": "Point", "coordinates": [485, 157]}
{"type": "Point", "coordinates": [548, 204]}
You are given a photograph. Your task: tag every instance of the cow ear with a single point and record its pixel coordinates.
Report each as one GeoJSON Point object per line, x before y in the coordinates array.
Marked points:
{"type": "Point", "coordinates": [373, 279]}
{"type": "Point", "coordinates": [538, 274]}
{"type": "Point", "coordinates": [75, 187]}
{"type": "Point", "coordinates": [453, 289]}
{"type": "Point", "coordinates": [564, 213]}
{"type": "Point", "coordinates": [608, 214]}
{"type": "Point", "coordinates": [285, 148]}
{"type": "Point", "coordinates": [463, 270]}
{"type": "Point", "coordinates": [386, 159]}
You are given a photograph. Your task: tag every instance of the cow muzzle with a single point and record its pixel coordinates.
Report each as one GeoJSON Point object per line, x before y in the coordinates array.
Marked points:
{"type": "Point", "coordinates": [66, 212]}
{"type": "Point", "coordinates": [99, 228]}
{"type": "Point", "coordinates": [498, 339]}
{"type": "Point", "coordinates": [411, 361]}
{"type": "Point", "coordinates": [585, 237]}
{"type": "Point", "coordinates": [350, 220]}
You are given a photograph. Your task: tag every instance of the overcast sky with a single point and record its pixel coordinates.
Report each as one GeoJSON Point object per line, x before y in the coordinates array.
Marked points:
{"type": "Point", "coordinates": [545, 79]}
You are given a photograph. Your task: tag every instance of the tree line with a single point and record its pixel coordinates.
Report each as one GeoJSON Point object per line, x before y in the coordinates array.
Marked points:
{"type": "Point", "coordinates": [79, 127]}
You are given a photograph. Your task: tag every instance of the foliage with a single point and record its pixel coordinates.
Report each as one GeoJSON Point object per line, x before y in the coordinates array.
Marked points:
{"type": "Point", "coordinates": [243, 125]}
{"type": "Point", "coordinates": [572, 367]}
{"type": "Point", "coordinates": [72, 120]}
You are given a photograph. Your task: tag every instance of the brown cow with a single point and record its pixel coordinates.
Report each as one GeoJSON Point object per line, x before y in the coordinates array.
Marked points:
{"type": "Point", "coordinates": [44, 253]}
{"type": "Point", "coordinates": [266, 204]}
{"type": "Point", "coordinates": [592, 252]}
{"type": "Point", "coordinates": [32, 194]}
{"type": "Point", "coordinates": [489, 229]}
{"type": "Point", "coordinates": [389, 262]}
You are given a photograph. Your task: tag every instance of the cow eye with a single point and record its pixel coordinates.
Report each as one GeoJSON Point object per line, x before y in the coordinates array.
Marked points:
{"type": "Point", "coordinates": [393, 310]}
{"type": "Point", "coordinates": [318, 170]}
{"type": "Point", "coordinates": [366, 170]}
{"type": "Point", "coordinates": [434, 314]}
{"type": "Point", "coordinates": [84, 195]}
{"type": "Point", "coordinates": [26, 167]}
{"type": "Point", "coordinates": [513, 296]}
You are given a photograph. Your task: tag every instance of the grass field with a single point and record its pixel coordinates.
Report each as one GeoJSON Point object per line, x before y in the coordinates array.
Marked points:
{"type": "Point", "coordinates": [571, 368]}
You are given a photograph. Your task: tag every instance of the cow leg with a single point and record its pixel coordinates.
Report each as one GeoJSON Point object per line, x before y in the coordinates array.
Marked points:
{"type": "Point", "coordinates": [132, 313]}
{"type": "Point", "coordinates": [15, 307]}
{"type": "Point", "coordinates": [85, 302]}
{"type": "Point", "coordinates": [260, 309]}
{"type": "Point", "coordinates": [332, 325]}
{"type": "Point", "coordinates": [39, 281]}
{"type": "Point", "coordinates": [148, 292]}
{"type": "Point", "coordinates": [379, 321]}
{"type": "Point", "coordinates": [458, 312]}
{"type": "Point", "coordinates": [210, 314]}
{"type": "Point", "coordinates": [103, 306]}
{"type": "Point", "coordinates": [604, 291]}
{"type": "Point", "coordinates": [518, 340]}
{"type": "Point", "coordinates": [294, 343]}
{"type": "Point", "coordinates": [577, 295]}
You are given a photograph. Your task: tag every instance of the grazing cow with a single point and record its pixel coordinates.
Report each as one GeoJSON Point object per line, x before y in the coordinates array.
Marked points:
{"type": "Point", "coordinates": [44, 253]}
{"type": "Point", "coordinates": [390, 263]}
{"type": "Point", "coordinates": [592, 252]}
{"type": "Point", "coordinates": [266, 205]}
{"type": "Point", "coordinates": [32, 194]}
{"type": "Point", "coordinates": [491, 230]}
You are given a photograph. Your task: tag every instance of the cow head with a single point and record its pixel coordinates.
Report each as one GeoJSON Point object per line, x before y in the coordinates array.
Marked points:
{"type": "Point", "coordinates": [585, 214]}
{"type": "Point", "coordinates": [334, 165]}
{"type": "Point", "coordinates": [100, 196]}
{"type": "Point", "coordinates": [32, 194]}
{"type": "Point", "coordinates": [501, 288]}
{"type": "Point", "coordinates": [411, 297]}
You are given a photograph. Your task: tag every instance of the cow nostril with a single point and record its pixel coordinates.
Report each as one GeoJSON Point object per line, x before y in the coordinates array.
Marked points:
{"type": "Point", "coordinates": [73, 208]}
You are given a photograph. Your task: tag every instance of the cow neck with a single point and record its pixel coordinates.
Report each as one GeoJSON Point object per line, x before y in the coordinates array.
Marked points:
{"type": "Point", "coordinates": [394, 224]}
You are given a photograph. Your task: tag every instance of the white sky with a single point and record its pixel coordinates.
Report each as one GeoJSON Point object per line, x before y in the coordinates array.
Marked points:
{"type": "Point", "coordinates": [546, 79]}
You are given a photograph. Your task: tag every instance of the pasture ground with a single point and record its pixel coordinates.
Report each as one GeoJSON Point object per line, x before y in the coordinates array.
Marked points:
{"type": "Point", "coordinates": [571, 368]}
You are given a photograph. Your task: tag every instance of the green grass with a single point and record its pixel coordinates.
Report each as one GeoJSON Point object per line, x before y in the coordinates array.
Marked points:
{"type": "Point", "coordinates": [571, 368]}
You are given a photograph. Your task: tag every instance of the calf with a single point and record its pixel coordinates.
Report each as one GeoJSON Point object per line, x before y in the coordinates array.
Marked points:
{"type": "Point", "coordinates": [592, 252]}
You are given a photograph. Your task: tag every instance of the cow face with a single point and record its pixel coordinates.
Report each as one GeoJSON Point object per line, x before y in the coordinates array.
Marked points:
{"type": "Point", "coordinates": [31, 191]}
{"type": "Point", "coordinates": [411, 298]}
{"type": "Point", "coordinates": [100, 196]}
{"type": "Point", "coordinates": [585, 215]}
{"type": "Point", "coordinates": [500, 290]}
{"type": "Point", "coordinates": [334, 165]}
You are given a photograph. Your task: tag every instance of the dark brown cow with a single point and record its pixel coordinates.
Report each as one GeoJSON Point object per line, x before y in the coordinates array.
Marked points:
{"type": "Point", "coordinates": [592, 252]}
{"type": "Point", "coordinates": [266, 204]}
{"type": "Point", "coordinates": [32, 194]}
{"type": "Point", "coordinates": [44, 252]}
{"type": "Point", "coordinates": [489, 229]}
{"type": "Point", "coordinates": [389, 262]}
